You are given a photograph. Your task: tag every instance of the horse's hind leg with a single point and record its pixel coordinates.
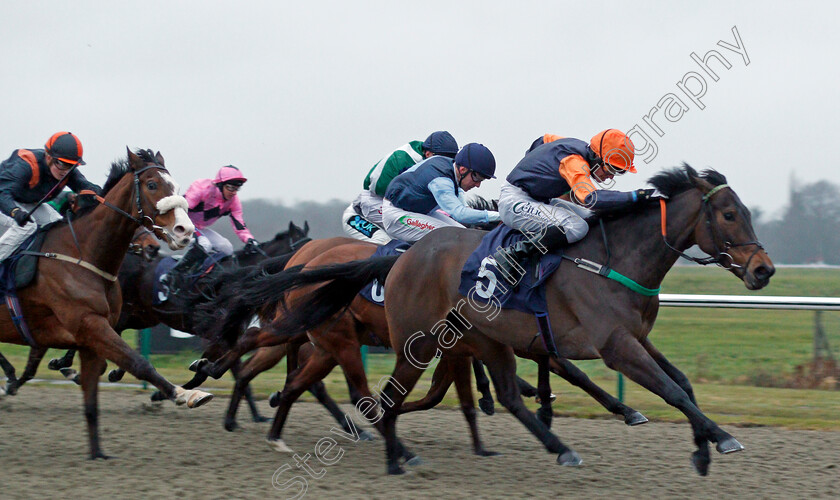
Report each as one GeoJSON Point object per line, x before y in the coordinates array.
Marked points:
{"type": "Point", "coordinates": [246, 392]}
{"type": "Point", "coordinates": [316, 367]}
{"type": "Point", "coordinates": [92, 366]}
{"type": "Point", "coordinates": [501, 362]}
{"type": "Point", "coordinates": [576, 377]}
{"type": "Point", "coordinates": [442, 380]}
{"type": "Point", "coordinates": [623, 352]}
{"type": "Point", "coordinates": [65, 361]}
{"type": "Point", "coordinates": [460, 369]}
{"type": "Point", "coordinates": [36, 354]}
{"type": "Point", "coordinates": [482, 383]}
{"type": "Point", "coordinates": [262, 360]}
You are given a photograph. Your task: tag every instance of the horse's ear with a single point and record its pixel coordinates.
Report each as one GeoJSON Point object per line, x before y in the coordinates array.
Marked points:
{"type": "Point", "coordinates": [134, 161]}
{"type": "Point", "coordinates": [306, 228]}
{"type": "Point", "coordinates": [291, 227]}
{"type": "Point", "coordinates": [701, 183]}
{"type": "Point", "coordinates": [159, 159]}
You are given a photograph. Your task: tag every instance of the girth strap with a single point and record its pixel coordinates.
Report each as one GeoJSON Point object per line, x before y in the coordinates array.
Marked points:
{"type": "Point", "coordinates": [79, 262]}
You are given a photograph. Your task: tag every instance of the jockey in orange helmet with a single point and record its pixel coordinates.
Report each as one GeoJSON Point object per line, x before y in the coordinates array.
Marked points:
{"type": "Point", "coordinates": [529, 200]}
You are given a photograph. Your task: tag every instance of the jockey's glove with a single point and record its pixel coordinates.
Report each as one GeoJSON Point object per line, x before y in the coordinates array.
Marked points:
{"type": "Point", "coordinates": [642, 195]}
{"type": "Point", "coordinates": [20, 216]}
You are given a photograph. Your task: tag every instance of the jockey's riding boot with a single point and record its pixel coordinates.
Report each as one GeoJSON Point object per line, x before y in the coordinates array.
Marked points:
{"type": "Point", "coordinates": [178, 275]}
{"type": "Point", "coordinates": [509, 259]}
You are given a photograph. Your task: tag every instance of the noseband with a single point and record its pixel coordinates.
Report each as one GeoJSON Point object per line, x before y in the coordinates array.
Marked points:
{"type": "Point", "coordinates": [720, 254]}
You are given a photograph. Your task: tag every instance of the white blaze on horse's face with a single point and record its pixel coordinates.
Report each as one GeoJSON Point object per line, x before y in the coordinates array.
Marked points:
{"type": "Point", "coordinates": [171, 181]}
{"type": "Point", "coordinates": [179, 234]}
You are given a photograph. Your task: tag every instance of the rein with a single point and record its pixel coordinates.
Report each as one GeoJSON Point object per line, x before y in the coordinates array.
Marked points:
{"type": "Point", "coordinates": [718, 258]}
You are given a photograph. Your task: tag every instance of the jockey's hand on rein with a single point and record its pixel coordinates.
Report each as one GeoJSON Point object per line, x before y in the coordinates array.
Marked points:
{"type": "Point", "coordinates": [643, 195]}
{"type": "Point", "coordinates": [20, 216]}
{"type": "Point", "coordinates": [252, 245]}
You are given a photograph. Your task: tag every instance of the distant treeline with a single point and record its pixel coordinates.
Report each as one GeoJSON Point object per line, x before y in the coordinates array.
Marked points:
{"type": "Point", "coordinates": [805, 231]}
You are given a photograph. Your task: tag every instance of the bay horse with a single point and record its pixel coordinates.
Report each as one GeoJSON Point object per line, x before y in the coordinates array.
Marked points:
{"type": "Point", "coordinates": [592, 317]}
{"type": "Point", "coordinates": [338, 340]}
{"type": "Point", "coordinates": [145, 246]}
{"type": "Point", "coordinates": [75, 303]}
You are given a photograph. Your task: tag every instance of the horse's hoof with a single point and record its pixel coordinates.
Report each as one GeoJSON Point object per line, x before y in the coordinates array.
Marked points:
{"type": "Point", "coordinates": [68, 373]}
{"type": "Point", "coordinates": [550, 399]}
{"type": "Point", "coordinates": [98, 454]}
{"type": "Point", "coordinates": [395, 470]}
{"type": "Point", "coordinates": [56, 364]}
{"type": "Point", "coordinates": [635, 418]}
{"type": "Point", "coordinates": [366, 436]}
{"type": "Point", "coordinates": [260, 419]}
{"type": "Point", "coordinates": [157, 396]}
{"type": "Point", "coordinates": [279, 446]}
{"type": "Point", "coordinates": [274, 399]}
{"type": "Point", "coordinates": [193, 398]}
{"type": "Point", "coordinates": [487, 406]}
{"type": "Point", "coordinates": [231, 425]}
{"type": "Point", "coordinates": [729, 445]}
{"type": "Point", "coordinates": [413, 461]}
{"type": "Point", "coordinates": [487, 453]}
{"type": "Point", "coordinates": [700, 463]}
{"type": "Point", "coordinates": [197, 364]}
{"type": "Point", "coordinates": [115, 376]}
{"type": "Point", "coordinates": [570, 458]}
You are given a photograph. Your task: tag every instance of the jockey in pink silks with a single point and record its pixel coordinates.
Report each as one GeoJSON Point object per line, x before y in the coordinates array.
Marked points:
{"type": "Point", "coordinates": [208, 200]}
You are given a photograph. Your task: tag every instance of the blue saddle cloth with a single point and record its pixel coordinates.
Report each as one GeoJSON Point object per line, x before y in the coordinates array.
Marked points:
{"type": "Point", "coordinates": [161, 291]}
{"type": "Point", "coordinates": [374, 291]}
{"type": "Point", "coordinates": [481, 280]}
{"type": "Point", "coordinates": [19, 269]}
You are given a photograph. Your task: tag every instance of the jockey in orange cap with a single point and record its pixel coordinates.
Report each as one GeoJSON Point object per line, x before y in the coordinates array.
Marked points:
{"type": "Point", "coordinates": [551, 168]}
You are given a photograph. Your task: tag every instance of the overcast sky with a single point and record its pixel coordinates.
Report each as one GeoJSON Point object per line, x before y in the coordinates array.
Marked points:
{"type": "Point", "coordinates": [305, 97]}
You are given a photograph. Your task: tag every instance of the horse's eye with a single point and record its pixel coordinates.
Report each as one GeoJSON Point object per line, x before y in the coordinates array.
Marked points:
{"type": "Point", "coordinates": [730, 216]}
{"type": "Point", "coordinates": [152, 185]}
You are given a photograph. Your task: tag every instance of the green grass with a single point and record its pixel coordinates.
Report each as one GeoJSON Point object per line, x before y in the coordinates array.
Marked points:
{"type": "Point", "coordinates": [725, 353]}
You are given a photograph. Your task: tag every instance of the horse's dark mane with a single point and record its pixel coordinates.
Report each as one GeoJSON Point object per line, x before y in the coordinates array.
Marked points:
{"type": "Point", "coordinates": [479, 203]}
{"type": "Point", "coordinates": [119, 168]}
{"type": "Point", "coordinates": [676, 180]}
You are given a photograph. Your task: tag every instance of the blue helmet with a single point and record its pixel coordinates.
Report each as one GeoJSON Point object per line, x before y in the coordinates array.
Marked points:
{"type": "Point", "coordinates": [441, 143]}
{"type": "Point", "coordinates": [477, 157]}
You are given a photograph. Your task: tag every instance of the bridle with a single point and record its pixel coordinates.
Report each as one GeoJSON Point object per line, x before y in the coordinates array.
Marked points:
{"type": "Point", "coordinates": [720, 254]}
{"type": "Point", "coordinates": [134, 247]}
{"type": "Point", "coordinates": [145, 221]}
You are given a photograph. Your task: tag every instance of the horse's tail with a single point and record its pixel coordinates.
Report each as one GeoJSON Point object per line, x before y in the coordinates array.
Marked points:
{"type": "Point", "coordinates": [343, 283]}
{"type": "Point", "coordinates": [227, 315]}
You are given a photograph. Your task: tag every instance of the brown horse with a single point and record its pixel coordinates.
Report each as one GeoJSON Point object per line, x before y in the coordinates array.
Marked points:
{"type": "Point", "coordinates": [75, 304]}
{"type": "Point", "coordinates": [339, 339]}
{"type": "Point", "coordinates": [144, 245]}
{"type": "Point", "coordinates": [593, 317]}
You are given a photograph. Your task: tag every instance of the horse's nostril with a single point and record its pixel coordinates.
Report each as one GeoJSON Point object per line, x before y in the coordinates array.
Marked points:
{"type": "Point", "coordinates": [179, 230]}
{"type": "Point", "coordinates": [763, 272]}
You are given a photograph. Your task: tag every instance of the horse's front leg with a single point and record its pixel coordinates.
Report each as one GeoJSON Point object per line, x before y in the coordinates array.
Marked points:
{"type": "Point", "coordinates": [701, 457]}
{"type": "Point", "coordinates": [576, 377]}
{"type": "Point", "coordinates": [624, 352]}
{"type": "Point", "coordinates": [65, 361]}
{"type": "Point", "coordinates": [96, 334]}
{"type": "Point", "coordinates": [9, 370]}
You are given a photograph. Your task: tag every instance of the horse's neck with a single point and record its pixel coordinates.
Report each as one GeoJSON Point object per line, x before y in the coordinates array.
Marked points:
{"type": "Point", "coordinates": [104, 235]}
{"type": "Point", "coordinates": [636, 244]}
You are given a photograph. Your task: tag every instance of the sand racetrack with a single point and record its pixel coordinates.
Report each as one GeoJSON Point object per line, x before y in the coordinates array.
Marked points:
{"type": "Point", "coordinates": [169, 451]}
